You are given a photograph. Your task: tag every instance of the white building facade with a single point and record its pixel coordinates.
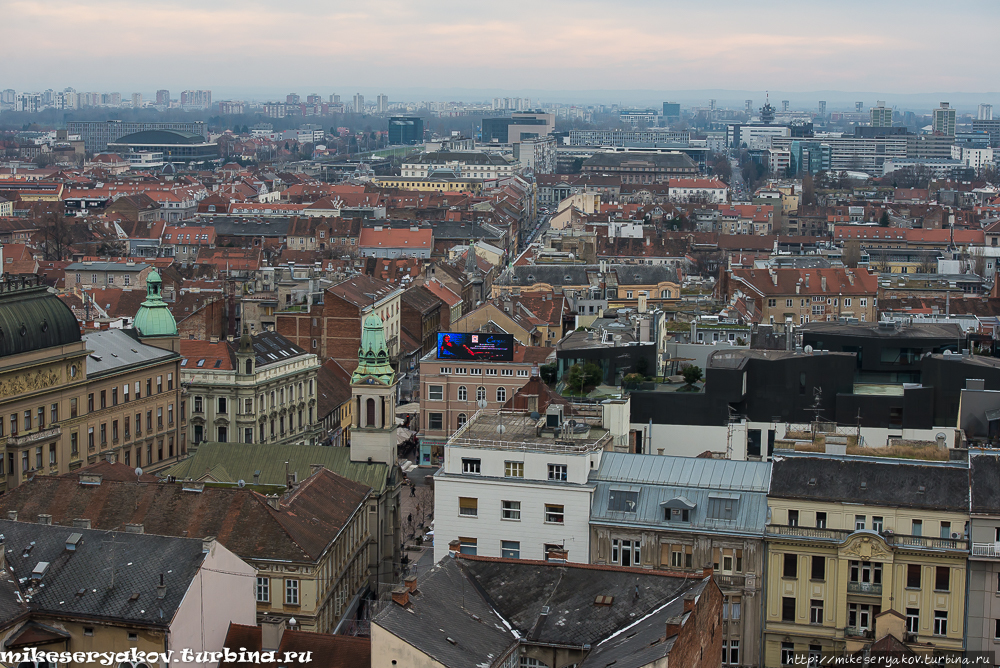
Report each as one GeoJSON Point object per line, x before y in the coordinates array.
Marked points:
{"type": "Point", "coordinates": [522, 492]}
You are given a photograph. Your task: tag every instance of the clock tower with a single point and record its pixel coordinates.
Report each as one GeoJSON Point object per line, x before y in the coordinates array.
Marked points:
{"type": "Point", "coordinates": [373, 391]}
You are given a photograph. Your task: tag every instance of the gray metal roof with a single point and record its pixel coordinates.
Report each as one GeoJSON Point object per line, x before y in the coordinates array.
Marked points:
{"type": "Point", "coordinates": [106, 266]}
{"type": "Point", "coordinates": [113, 349]}
{"type": "Point", "coordinates": [663, 481]}
{"type": "Point", "coordinates": [578, 274]}
{"type": "Point", "coordinates": [719, 474]}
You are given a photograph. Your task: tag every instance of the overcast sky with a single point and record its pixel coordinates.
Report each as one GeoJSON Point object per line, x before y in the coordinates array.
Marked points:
{"type": "Point", "coordinates": [329, 46]}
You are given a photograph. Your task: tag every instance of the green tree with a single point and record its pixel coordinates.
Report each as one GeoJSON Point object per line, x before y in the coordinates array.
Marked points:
{"type": "Point", "coordinates": [884, 220]}
{"type": "Point", "coordinates": [548, 372]}
{"type": "Point", "coordinates": [642, 366]}
{"type": "Point", "coordinates": [582, 377]}
{"type": "Point", "coordinates": [692, 374]}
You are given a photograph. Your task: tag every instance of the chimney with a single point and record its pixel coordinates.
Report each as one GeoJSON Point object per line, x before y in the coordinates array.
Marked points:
{"type": "Point", "coordinates": [45, 519]}
{"type": "Point", "coordinates": [673, 627]}
{"type": "Point", "coordinates": [689, 601]}
{"type": "Point", "coordinates": [206, 544]}
{"type": "Point", "coordinates": [411, 583]}
{"type": "Point", "coordinates": [12, 515]}
{"type": "Point", "coordinates": [314, 469]}
{"type": "Point", "coordinates": [134, 528]}
{"type": "Point", "coordinates": [453, 548]}
{"type": "Point", "coordinates": [271, 630]}
{"type": "Point", "coordinates": [274, 502]}
{"type": "Point", "coordinates": [401, 596]}
{"type": "Point", "coordinates": [256, 477]}
{"type": "Point", "coordinates": [706, 571]}
{"type": "Point", "coordinates": [807, 280]}
{"type": "Point", "coordinates": [161, 589]}
{"type": "Point", "coordinates": [81, 523]}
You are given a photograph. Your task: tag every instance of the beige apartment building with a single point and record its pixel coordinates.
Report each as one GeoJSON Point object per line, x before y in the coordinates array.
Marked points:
{"type": "Point", "coordinates": [450, 392]}
{"type": "Point", "coordinates": [67, 400]}
{"type": "Point", "coordinates": [862, 547]}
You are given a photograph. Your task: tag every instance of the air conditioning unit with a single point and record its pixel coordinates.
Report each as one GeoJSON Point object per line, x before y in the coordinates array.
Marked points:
{"type": "Point", "coordinates": [955, 534]}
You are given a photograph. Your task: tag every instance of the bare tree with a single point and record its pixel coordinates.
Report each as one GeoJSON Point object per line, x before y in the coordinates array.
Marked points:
{"type": "Point", "coordinates": [977, 259]}
{"type": "Point", "coordinates": [851, 254]}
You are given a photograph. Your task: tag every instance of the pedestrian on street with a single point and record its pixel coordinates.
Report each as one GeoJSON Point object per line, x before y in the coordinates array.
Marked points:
{"type": "Point", "coordinates": [413, 489]}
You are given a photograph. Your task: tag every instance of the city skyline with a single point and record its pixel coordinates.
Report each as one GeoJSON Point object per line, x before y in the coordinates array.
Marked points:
{"type": "Point", "coordinates": [554, 46]}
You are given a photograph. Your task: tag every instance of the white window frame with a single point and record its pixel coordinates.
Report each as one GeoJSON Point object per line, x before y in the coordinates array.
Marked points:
{"type": "Point", "coordinates": [263, 589]}
{"type": "Point", "coordinates": [291, 591]}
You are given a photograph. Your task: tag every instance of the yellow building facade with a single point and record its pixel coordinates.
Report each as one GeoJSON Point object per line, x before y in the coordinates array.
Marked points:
{"type": "Point", "coordinates": [836, 565]}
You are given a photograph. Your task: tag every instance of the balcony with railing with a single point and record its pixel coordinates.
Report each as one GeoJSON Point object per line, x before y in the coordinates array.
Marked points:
{"type": "Point", "coordinates": [35, 437]}
{"type": "Point", "coordinates": [730, 580]}
{"type": "Point", "coordinates": [928, 542]}
{"type": "Point", "coordinates": [808, 533]}
{"type": "Point", "coordinates": [864, 588]}
{"type": "Point", "coordinates": [986, 550]}
{"type": "Point", "coordinates": [858, 632]}
{"type": "Point", "coordinates": [895, 540]}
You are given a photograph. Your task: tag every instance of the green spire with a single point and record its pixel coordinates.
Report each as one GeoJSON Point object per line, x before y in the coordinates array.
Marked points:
{"type": "Point", "coordinates": [154, 317]}
{"type": "Point", "coordinates": [373, 355]}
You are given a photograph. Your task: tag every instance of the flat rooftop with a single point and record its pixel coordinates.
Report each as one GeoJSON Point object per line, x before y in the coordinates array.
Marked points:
{"type": "Point", "coordinates": [510, 430]}
{"type": "Point", "coordinates": [916, 330]}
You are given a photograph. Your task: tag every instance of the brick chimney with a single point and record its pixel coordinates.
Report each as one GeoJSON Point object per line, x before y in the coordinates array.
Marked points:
{"type": "Point", "coordinates": [411, 583]}
{"type": "Point", "coordinates": [557, 554]}
{"type": "Point", "coordinates": [673, 627]}
{"type": "Point", "coordinates": [401, 596]}
{"type": "Point", "coordinates": [689, 600]}
{"type": "Point", "coordinates": [453, 548]}
{"type": "Point", "coordinates": [707, 570]}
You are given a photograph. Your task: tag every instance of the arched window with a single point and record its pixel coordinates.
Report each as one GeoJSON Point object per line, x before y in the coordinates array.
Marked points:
{"type": "Point", "coordinates": [480, 394]}
{"type": "Point", "coordinates": [462, 419]}
{"type": "Point", "coordinates": [370, 405]}
{"type": "Point", "coordinates": [501, 394]}
{"type": "Point", "coordinates": [249, 367]}
{"type": "Point", "coordinates": [463, 393]}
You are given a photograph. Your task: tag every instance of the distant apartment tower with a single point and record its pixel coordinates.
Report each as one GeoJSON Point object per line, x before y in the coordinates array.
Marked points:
{"type": "Point", "coordinates": [314, 99]}
{"type": "Point", "coordinates": [944, 120]}
{"type": "Point", "coordinates": [163, 98]}
{"type": "Point", "coordinates": [711, 105]}
{"type": "Point", "coordinates": [671, 110]}
{"type": "Point", "coordinates": [822, 107]}
{"type": "Point", "coordinates": [985, 112]}
{"type": "Point", "coordinates": [292, 98]}
{"type": "Point", "coordinates": [359, 103]}
{"type": "Point", "coordinates": [859, 106]}
{"type": "Point", "coordinates": [784, 105]}
{"type": "Point", "coordinates": [749, 104]}
{"type": "Point", "coordinates": [406, 130]}
{"type": "Point", "coordinates": [382, 103]}
{"type": "Point", "coordinates": [881, 116]}
{"type": "Point", "coordinates": [991, 126]}
{"type": "Point", "coordinates": [136, 100]}
{"type": "Point", "coordinates": [231, 107]}
{"type": "Point", "coordinates": [199, 99]}
{"type": "Point", "coordinates": [7, 96]}
{"type": "Point", "coordinates": [334, 98]}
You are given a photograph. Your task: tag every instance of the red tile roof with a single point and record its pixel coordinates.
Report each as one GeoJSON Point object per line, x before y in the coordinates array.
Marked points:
{"type": "Point", "coordinates": [839, 281]}
{"type": "Point", "coordinates": [402, 238]}
{"type": "Point", "coordinates": [328, 651]}
{"type": "Point", "coordinates": [203, 355]}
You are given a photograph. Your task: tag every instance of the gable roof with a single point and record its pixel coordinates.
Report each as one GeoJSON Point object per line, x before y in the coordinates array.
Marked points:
{"type": "Point", "coordinates": [308, 520]}
{"type": "Point", "coordinates": [888, 482]}
{"type": "Point", "coordinates": [328, 650]}
{"type": "Point", "coordinates": [242, 459]}
{"type": "Point", "coordinates": [138, 561]}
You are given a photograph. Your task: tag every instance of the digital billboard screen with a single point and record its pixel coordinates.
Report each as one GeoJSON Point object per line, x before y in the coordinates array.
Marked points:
{"type": "Point", "coordinates": [475, 346]}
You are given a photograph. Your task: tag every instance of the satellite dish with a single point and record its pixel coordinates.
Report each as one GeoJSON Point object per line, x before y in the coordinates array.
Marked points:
{"type": "Point", "coordinates": [808, 350]}
{"type": "Point", "coordinates": [138, 472]}
{"type": "Point", "coordinates": [535, 415]}
{"type": "Point", "coordinates": [481, 403]}
{"type": "Point", "coordinates": [501, 429]}
{"type": "Point", "coordinates": [572, 423]}
{"type": "Point", "coordinates": [241, 483]}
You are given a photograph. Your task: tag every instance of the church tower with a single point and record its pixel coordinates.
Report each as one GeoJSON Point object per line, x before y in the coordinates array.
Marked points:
{"type": "Point", "coordinates": [373, 391]}
{"type": "Point", "coordinates": [154, 322]}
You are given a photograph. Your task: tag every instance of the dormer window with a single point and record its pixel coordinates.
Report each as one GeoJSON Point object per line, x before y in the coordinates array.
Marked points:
{"type": "Point", "coordinates": [677, 509]}
{"type": "Point", "coordinates": [624, 501]}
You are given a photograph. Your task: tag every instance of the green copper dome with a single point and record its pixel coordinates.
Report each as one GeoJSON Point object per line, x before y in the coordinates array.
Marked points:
{"type": "Point", "coordinates": [154, 317]}
{"type": "Point", "coordinates": [373, 355]}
